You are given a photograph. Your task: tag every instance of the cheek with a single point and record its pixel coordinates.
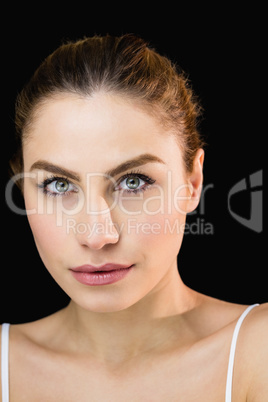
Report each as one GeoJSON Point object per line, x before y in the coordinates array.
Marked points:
{"type": "Point", "coordinates": [50, 240]}
{"type": "Point", "coordinates": [48, 231]}
{"type": "Point", "coordinates": [156, 235]}
{"type": "Point", "coordinates": [156, 218]}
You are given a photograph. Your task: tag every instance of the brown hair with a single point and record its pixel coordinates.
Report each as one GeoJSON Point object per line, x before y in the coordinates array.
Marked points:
{"type": "Point", "coordinates": [124, 65]}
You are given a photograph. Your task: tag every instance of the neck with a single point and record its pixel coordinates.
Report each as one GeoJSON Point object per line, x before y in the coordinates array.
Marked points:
{"type": "Point", "coordinates": [153, 322]}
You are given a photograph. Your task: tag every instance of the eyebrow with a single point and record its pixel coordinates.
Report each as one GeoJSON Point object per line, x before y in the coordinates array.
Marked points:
{"type": "Point", "coordinates": [50, 167]}
{"type": "Point", "coordinates": [129, 164]}
{"type": "Point", "coordinates": [133, 163]}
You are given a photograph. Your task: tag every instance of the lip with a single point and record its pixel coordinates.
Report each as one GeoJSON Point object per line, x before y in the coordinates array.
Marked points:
{"type": "Point", "coordinates": [102, 275]}
{"type": "Point", "coordinates": [104, 267]}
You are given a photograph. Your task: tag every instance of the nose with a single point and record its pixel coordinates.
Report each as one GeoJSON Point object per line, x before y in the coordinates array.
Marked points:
{"type": "Point", "coordinates": [97, 228]}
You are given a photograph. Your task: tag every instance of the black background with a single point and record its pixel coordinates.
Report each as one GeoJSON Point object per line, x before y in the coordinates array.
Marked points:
{"type": "Point", "coordinates": [222, 50]}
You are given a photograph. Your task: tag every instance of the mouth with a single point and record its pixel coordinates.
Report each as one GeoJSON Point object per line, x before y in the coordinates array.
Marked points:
{"type": "Point", "coordinates": [102, 275]}
{"type": "Point", "coordinates": [102, 268]}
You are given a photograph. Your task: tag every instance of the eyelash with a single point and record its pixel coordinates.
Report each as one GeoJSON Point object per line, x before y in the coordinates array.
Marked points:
{"type": "Point", "coordinates": [49, 180]}
{"type": "Point", "coordinates": [147, 180]}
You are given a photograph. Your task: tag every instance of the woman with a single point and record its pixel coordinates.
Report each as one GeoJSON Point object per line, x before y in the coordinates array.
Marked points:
{"type": "Point", "coordinates": [110, 163]}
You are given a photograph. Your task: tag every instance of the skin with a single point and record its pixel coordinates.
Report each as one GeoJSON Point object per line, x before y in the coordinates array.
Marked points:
{"type": "Point", "coordinates": [147, 336]}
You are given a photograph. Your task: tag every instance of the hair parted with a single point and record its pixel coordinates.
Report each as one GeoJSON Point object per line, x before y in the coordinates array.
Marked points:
{"type": "Point", "coordinates": [123, 65]}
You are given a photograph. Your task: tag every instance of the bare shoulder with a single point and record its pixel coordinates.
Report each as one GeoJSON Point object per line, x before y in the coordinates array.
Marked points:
{"type": "Point", "coordinates": [31, 336]}
{"type": "Point", "coordinates": [257, 326]}
{"type": "Point", "coordinates": [251, 359]}
{"type": "Point", "coordinates": [254, 349]}
{"type": "Point", "coordinates": [218, 315]}
{"type": "Point", "coordinates": [259, 316]}
{"type": "Point", "coordinates": [256, 330]}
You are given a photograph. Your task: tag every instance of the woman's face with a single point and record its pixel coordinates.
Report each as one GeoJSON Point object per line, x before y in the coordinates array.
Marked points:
{"type": "Point", "coordinates": [104, 183]}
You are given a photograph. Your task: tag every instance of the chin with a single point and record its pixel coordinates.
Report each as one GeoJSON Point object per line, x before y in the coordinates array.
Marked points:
{"type": "Point", "coordinates": [104, 304]}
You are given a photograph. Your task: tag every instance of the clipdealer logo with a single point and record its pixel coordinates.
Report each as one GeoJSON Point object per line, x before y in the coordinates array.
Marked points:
{"type": "Point", "coordinates": [250, 189]}
{"type": "Point", "coordinates": [250, 186]}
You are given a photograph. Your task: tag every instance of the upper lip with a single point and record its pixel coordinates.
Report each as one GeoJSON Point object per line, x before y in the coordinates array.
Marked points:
{"type": "Point", "coordinates": [104, 267]}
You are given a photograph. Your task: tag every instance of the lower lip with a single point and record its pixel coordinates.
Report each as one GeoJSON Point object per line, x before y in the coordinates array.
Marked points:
{"type": "Point", "coordinates": [101, 278]}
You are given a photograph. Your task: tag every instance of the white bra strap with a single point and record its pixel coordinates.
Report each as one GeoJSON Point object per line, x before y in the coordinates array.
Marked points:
{"type": "Point", "coordinates": [4, 362]}
{"type": "Point", "coordinates": [228, 393]}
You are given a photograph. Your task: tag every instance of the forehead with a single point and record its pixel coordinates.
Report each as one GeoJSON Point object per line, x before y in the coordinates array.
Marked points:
{"type": "Point", "coordinates": [101, 130]}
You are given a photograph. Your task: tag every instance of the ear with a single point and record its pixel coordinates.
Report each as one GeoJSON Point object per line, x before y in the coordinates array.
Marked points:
{"type": "Point", "coordinates": [195, 181]}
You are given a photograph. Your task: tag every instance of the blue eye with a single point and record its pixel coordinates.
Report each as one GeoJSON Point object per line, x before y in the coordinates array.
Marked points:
{"type": "Point", "coordinates": [57, 186]}
{"type": "Point", "coordinates": [134, 183]}
{"type": "Point", "coordinates": [61, 186]}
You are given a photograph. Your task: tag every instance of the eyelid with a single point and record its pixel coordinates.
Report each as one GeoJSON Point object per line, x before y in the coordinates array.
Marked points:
{"type": "Point", "coordinates": [50, 180]}
{"type": "Point", "coordinates": [45, 183]}
{"type": "Point", "coordinates": [147, 180]}
{"type": "Point", "coordinates": [142, 176]}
